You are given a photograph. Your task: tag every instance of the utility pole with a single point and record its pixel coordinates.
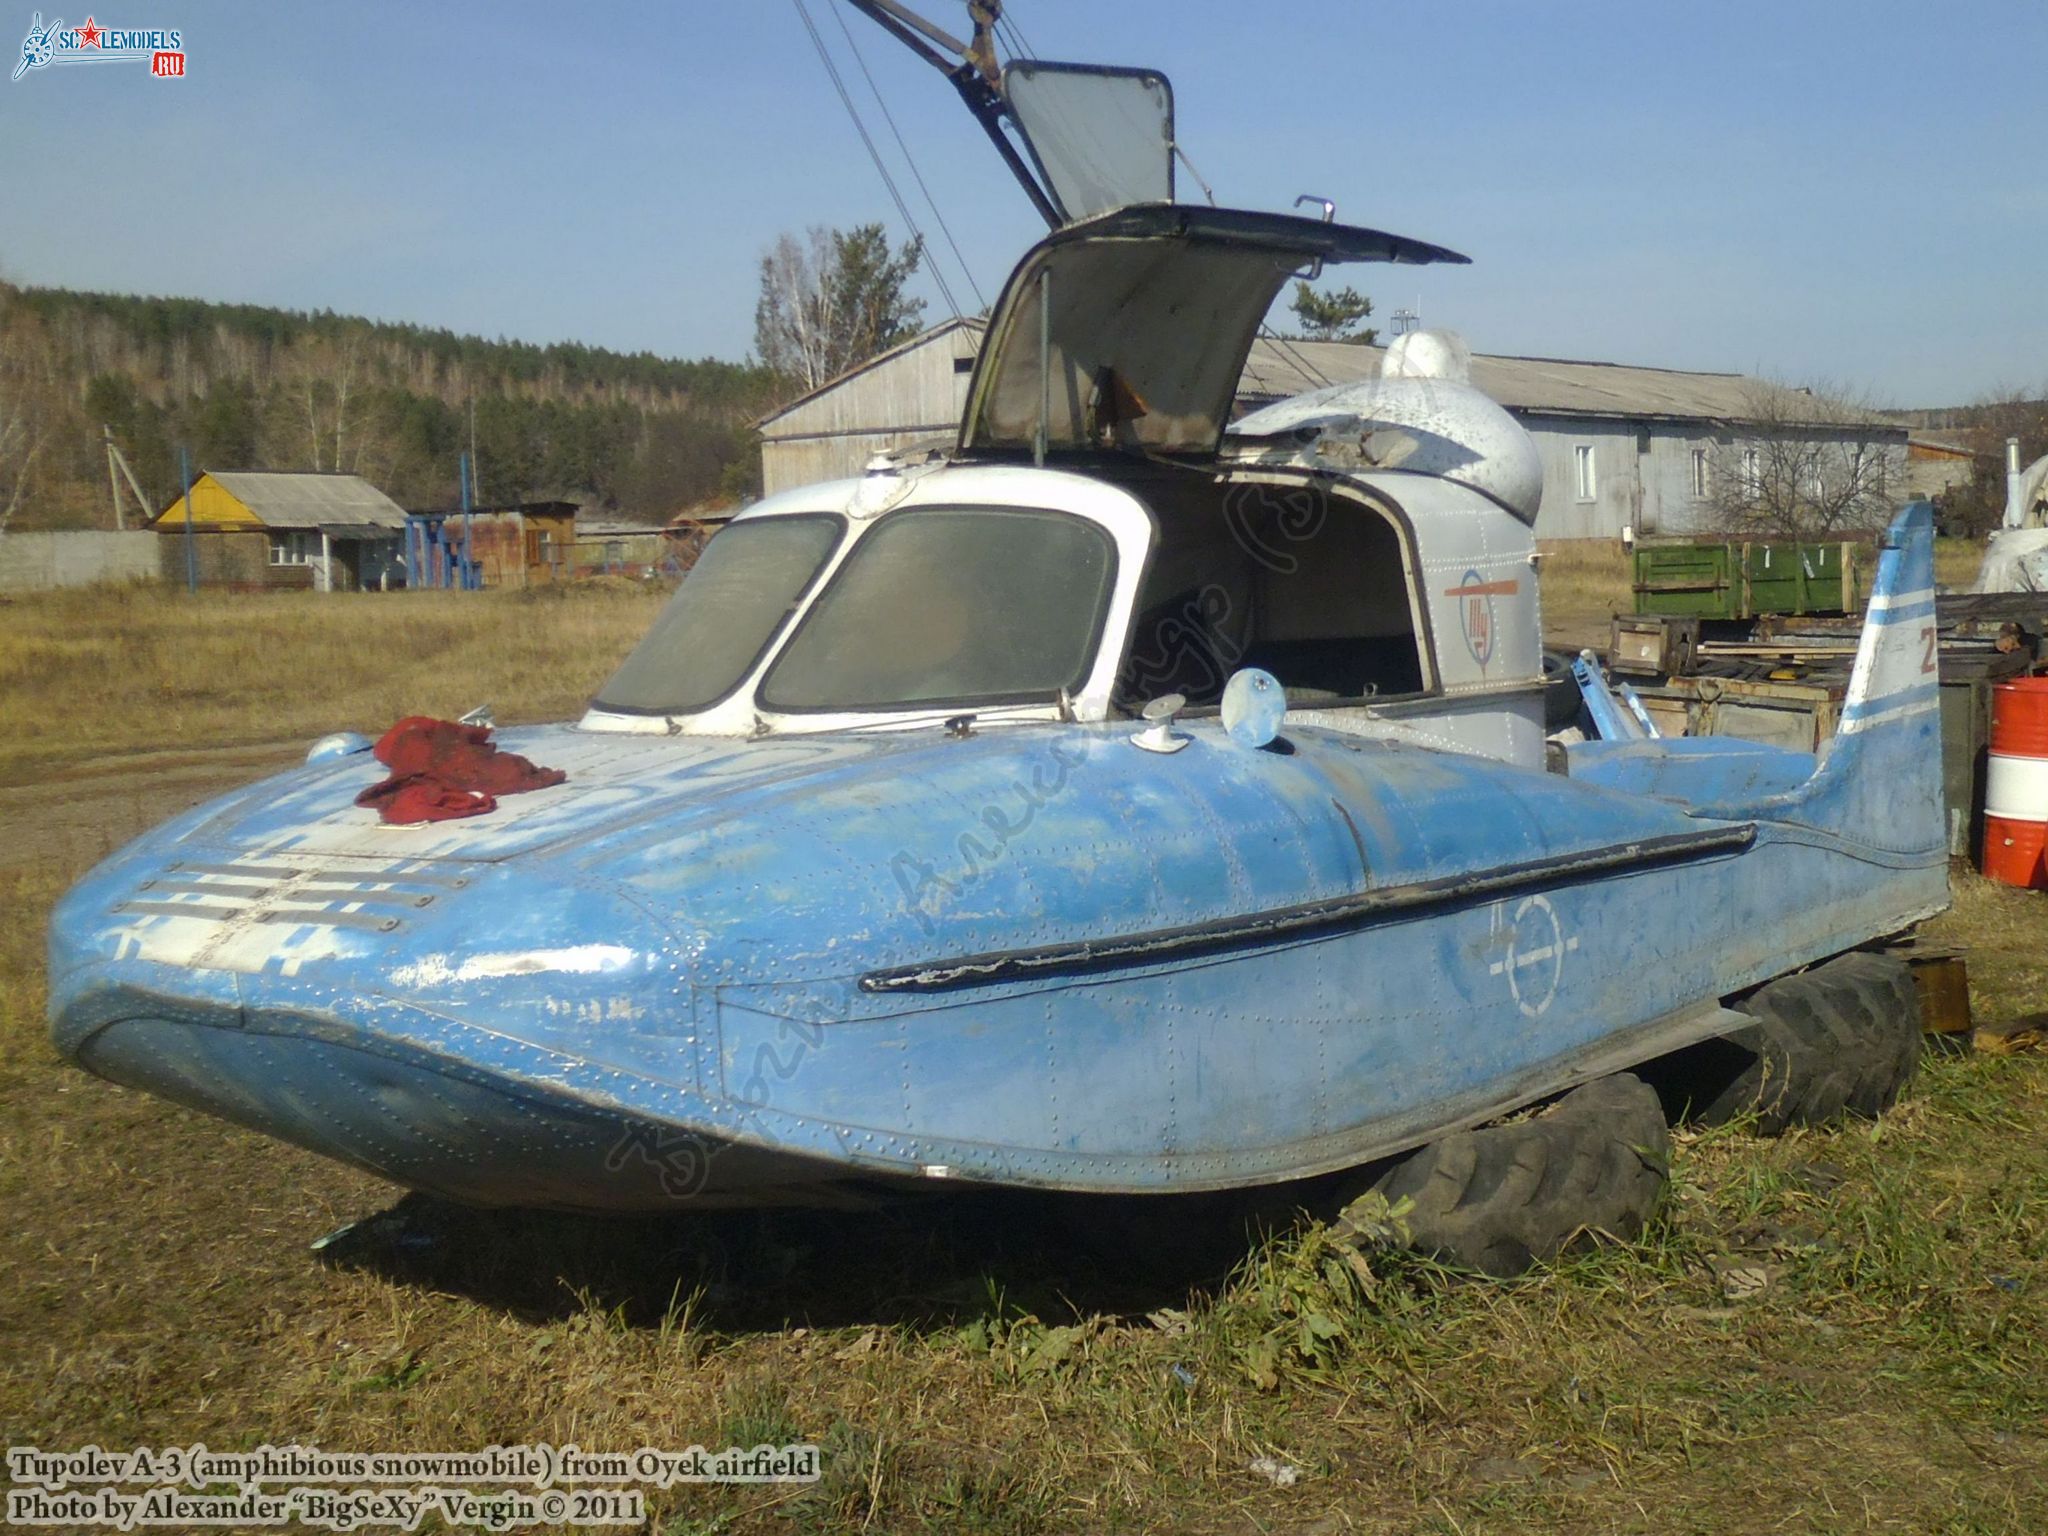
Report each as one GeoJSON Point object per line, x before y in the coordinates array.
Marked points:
{"type": "Point", "coordinates": [117, 467]}
{"type": "Point", "coordinates": [191, 551]}
{"type": "Point", "coordinates": [113, 478]}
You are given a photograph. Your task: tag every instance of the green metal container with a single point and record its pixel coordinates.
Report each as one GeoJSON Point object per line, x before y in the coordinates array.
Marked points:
{"type": "Point", "coordinates": [1747, 578]}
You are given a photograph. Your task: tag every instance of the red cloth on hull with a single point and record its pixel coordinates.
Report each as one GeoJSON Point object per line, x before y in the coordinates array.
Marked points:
{"type": "Point", "coordinates": [442, 771]}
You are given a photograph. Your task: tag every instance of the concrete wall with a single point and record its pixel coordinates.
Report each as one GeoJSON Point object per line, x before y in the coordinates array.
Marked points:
{"type": "Point", "coordinates": [34, 562]}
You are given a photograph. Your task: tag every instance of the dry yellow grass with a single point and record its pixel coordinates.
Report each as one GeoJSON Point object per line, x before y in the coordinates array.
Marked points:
{"type": "Point", "coordinates": [1584, 583]}
{"type": "Point", "coordinates": [970, 1366]}
{"type": "Point", "coordinates": [124, 668]}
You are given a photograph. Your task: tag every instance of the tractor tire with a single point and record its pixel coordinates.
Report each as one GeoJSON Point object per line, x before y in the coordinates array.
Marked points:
{"type": "Point", "coordinates": [1842, 1038]}
{"type": "Point", "coordinates": [1504, 1197]}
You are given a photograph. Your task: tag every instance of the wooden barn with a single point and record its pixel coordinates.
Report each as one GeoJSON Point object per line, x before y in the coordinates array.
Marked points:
{"type": "Point", "coordinates": [257, 530]}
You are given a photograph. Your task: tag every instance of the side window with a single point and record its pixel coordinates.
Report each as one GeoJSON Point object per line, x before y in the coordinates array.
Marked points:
{"type": "Point", "coordinates": [1582, 465]}
{"type": "Point", "coordinates": [294, 548]}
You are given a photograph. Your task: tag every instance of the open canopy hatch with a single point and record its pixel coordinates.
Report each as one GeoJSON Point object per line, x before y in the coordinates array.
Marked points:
{"type": "Point", "coordinates": [1100, 136]}
{"type": "Point", "coordinates": [1129, 330]}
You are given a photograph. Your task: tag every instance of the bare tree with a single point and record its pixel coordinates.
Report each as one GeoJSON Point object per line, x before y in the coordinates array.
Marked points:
{"type": "Point", "coordinates": [28, 397]}
{"type": "Point", "coordinates": [316, 383]}
{"type": "Point", "coordinates": [1804, 463]}
{"type": "Point", "coordinates": [792, 320]}
{"type": "Point", "coordinates": [833, 299]}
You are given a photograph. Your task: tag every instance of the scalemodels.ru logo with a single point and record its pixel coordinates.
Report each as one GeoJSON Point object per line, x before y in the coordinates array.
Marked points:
{"type": "Point", "coordinates": [161, 48]}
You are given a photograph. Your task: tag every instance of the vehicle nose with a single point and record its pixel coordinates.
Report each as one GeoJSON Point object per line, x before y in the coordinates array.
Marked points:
{"type": "Point", "coordinates": [542, 956]}
{"type": "Point", "coordinates": [415, 1120]}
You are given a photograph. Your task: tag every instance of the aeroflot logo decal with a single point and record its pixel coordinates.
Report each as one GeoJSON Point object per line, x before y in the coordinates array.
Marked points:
{"type": "Point", "coordinates": [1475, 612]}
{"type": "Point", "coordinates": [161, 48]}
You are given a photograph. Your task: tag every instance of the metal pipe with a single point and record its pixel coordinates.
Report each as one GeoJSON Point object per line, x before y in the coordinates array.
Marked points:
{"type": "Point", "coordinates": [905, 17]}
{"type": "Point", "coordinates": [191, 552]}
{"type": "Point", "coordinates": [2015, 514]}
{"type": "Point", "coordinates": [468, 580]}
{"type": "Point", "coordinates": [1044, 365]}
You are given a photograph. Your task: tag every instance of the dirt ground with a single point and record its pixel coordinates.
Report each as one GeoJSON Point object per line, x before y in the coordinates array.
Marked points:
{"type": "Point", "coordinates": [76, 814]}
{"type": "Point", "coordinates": [1839, 1331]}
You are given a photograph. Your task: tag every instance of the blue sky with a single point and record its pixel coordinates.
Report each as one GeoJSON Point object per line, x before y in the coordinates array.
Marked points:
{"type": "Point", "coordinates": [1812, 189]}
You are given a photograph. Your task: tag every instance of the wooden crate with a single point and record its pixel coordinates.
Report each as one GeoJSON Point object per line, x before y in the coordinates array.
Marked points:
{"type": "Point", "coordinates": [1944, 982]}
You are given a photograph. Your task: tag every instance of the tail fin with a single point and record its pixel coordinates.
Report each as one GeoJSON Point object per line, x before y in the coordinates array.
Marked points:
{"type": "Point", "coordinates": [1881, 780]}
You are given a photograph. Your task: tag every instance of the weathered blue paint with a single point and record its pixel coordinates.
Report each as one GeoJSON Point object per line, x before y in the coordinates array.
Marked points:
{"type": "Point", "coordinates": [683, 973]}
{"type": "Point", "coordinates": [1611, 717]}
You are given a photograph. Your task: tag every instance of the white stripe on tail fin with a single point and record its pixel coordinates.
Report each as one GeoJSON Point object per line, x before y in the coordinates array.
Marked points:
{"type": "Point", "coordinates": [1880, 782]}
{"type": "Point", "coordinates": [1898, 662]}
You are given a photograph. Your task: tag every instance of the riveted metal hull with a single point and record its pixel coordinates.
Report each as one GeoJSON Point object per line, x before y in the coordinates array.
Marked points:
{"type": "Point", "coordinates": [814, 968]}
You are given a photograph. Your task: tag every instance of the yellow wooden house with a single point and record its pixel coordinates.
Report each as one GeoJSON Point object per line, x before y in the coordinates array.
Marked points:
{"type": "Point", "coordinates": [255, 529]}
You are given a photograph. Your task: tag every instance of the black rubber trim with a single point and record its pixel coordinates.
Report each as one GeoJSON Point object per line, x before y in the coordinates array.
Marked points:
{"type": "Point", "coordinates": [1295, 921]}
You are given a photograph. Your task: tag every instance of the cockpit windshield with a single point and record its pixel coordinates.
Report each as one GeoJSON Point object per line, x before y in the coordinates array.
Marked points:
{"type": "Point", "coordinates": [735, 600]}
{"type": "Point", "coordinates": [950, 606]}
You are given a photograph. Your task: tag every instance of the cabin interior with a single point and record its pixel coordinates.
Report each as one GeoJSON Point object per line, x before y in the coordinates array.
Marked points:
{"type": "Point", "coordinates": [1309, 584]}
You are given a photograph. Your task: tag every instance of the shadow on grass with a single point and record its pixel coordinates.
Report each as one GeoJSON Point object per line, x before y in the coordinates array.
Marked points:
{"type": "Point", "coordinates": [923, 1265]}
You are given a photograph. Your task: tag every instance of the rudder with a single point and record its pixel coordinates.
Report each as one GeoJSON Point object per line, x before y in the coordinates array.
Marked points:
{"type": "Point", "coordinates": [1881, 779]}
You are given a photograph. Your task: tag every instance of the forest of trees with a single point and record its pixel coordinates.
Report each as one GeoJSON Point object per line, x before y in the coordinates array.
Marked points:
{"type": "Point", "coordinates": [247, 387]}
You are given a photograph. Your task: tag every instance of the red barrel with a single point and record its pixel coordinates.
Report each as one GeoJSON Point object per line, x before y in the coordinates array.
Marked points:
{"type": "Point", "coordinates": [2016, 784]}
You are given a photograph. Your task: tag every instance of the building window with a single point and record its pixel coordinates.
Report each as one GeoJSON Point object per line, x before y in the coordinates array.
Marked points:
{"type": "Point", "coordinates": [297, 547]}
{"type": "Point", "coordinates": [1699, 473]}
{"type": "Point", "coordinates": [1752, 472]}
{"type": "Point", "coordinates": [1582, 459]}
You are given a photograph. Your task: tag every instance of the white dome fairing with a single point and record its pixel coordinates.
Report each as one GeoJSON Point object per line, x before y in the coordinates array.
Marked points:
{"type": "Point", "coordinates": [1421, 416]}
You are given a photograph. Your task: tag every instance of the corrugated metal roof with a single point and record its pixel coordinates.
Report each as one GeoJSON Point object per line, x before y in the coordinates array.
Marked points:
{"type": "Point", "coordinates": [1558, 386]}
{"type": "Point", "coordinates": [1277, 369]}
{"type": "Point", "coordinates": [287, 500]}
{"type": "Point", "coordinates": [1945, 443]}
{"type": "Point", "coordinates": [618, 527]}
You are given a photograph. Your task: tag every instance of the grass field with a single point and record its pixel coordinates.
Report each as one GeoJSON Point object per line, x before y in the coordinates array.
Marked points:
{"type": "Point", "coordinates": [1842, 1331]}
